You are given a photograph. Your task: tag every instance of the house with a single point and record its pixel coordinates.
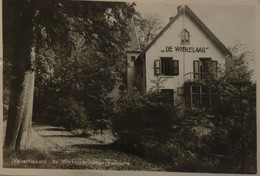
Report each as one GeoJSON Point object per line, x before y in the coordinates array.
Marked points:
{"type": "Point", "coordinates": [133, 51]}
{"type": "Point", "coordinates": [179, 57]}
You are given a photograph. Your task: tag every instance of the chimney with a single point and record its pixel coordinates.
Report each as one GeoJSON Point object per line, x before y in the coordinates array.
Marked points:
{"type": "Point", "coordinates": [179, 8]}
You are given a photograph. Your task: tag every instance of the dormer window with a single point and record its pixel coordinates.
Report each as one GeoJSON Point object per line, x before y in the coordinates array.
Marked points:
{"type": "Point", "coordinates": [185, 37]}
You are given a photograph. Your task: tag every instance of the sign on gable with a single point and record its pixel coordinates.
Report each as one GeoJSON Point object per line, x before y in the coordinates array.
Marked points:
{"type": "Point", "coordinates": [189, 49]}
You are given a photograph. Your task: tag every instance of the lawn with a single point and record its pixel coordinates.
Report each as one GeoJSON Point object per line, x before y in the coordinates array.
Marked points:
{"type": "Point", "coordinates": [55, 148]}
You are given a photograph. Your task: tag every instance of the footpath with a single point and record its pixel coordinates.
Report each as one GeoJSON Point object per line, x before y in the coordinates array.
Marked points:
{"type": "Point", "coordinates": [69, 151]}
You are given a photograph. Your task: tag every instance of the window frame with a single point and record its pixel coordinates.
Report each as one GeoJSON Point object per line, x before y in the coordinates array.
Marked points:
{"type": "Point", "coordinates": [198, 72]}
{"type": "Point", "coordinates": [199, 95]}
{"type": "Point", "coordinates": [171, 92]}
{"type": "Point", "coordinates": [185, 36]}
{"type": "Point", "coordinates": [172, 68]}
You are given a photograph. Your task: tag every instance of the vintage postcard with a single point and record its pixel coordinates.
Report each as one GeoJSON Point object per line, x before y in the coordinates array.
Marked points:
{"type": "Point", "coordinates": [129, 87]}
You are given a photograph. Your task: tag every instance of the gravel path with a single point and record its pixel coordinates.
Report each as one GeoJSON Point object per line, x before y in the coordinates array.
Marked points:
{"type": "Point", "coordinates": [92, 152]}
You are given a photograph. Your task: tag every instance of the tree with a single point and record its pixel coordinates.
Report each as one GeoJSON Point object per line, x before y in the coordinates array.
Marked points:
{"type": "Point", "coordinates": [22, 84]}
{"type": "Point", "coordinates": [71, 33]}
{"type": "Point", "coordinates": [234, 110]}
{"type": "Point", "coordinates": [95, 61]}
{"type": "Point", "coordinates": [147, 27]}
{"type": "Point", "coordinates": [24, 22]}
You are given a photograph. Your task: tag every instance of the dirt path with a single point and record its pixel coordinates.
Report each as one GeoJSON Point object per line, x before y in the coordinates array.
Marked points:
{"type": "Point", "coordinates": [92, 152]}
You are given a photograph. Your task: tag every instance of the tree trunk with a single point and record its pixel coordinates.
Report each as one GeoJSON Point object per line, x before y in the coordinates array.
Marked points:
{"type": "Point", "coordinates": [22, 81]}
{"type": "Point", "coordinates": [20, 110]}
{"type": "Point", "coordinates": [23, 140]}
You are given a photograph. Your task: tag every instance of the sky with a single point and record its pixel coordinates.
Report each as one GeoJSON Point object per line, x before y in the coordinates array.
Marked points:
{"type": "Point", "coordinates": [229, 20]}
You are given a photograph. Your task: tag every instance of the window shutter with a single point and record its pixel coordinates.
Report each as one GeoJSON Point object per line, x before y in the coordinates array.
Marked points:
{"type": "Point", "coordinates": [175, 67]}
{"type": "Point", "coordinates": [196, 65]}
{"type": "Point", "coordinates": [171, 67]}
{"type": "Point", "coordinates": [157, 67]}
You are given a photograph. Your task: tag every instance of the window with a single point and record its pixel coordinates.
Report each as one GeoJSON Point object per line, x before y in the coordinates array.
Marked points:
{"type": "Point", "coordinates": [167, 65]}
{"type": "Point", "coordinates": [202, 67]}
{"type": "Point", "coordinates": [185, 37]}
{"type": "Point", "coordinates": [168, 96]}
{"type": "Point", "coordinates": [131, 61]}
{"type": "Point", "coordinates": [132, 58]}
{"type": "Point", "coordinates": [201, 97]}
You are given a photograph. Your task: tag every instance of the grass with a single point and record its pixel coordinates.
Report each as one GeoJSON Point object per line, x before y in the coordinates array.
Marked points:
{"type": "Point", "coordinates": [25, 159]}
{"type": "Point", "coordinates": [74, 151]}
{"type": "Point", "coordinates": [94, 151]}
{"type": "Point", "coordinates": [90, 159]}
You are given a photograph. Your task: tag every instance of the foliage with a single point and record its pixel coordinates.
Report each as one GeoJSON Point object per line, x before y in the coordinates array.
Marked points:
{"type": "Point", "coordinates": [79, 60]}
{"type": "Point", "coordinates": [153, 128]}
{"type": "Point", "coordinates": [147, 27]}
{"type": "Point", "coordinates": [221, 138]}
{"type": "Point", "coordinates": [234, 101]}
{"type": "Point", "coordinates": [67, 112]}
{"type": "Point", "coordinates": [76, 58]}
{"type": "Point", "coordinates": [141, 118]}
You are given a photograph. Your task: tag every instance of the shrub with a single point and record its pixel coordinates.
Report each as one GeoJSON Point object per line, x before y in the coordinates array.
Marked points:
{"type": "Point", "coordinates": [163, 133]}
{"type": "Point", "coordinates": [68, 113]}
{"type": "Point", "coordinates": [142, 120]}
{"type": "Point", "coordinates": [100, 108]}
{"type": "Point", "coordinates": [198, 140]}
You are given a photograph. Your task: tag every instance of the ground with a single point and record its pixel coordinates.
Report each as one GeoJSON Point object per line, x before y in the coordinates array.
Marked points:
{"type": "Point", "coordinates": [53, 147]}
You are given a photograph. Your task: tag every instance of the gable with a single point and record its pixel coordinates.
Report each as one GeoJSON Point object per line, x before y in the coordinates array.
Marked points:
{"type": "Point", "coordinates": [200, 25]}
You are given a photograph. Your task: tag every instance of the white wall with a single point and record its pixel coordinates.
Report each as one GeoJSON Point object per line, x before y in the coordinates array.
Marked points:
{"type": "Point", "coordinates": [131, 75]}
{"type": "Point", "coordinates": [171, 38]}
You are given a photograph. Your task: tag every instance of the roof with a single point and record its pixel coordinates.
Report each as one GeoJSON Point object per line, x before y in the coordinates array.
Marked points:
{"type": "Point", "coordinates": [197, 21]}
{"type": "Point", "coordinates": [133, 45]}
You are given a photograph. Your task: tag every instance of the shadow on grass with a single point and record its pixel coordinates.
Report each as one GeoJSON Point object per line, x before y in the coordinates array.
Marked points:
{"type": "Point", "coordinates": [93, 146]}
{"type": "Point", "coordinates": [105, 147]}
{"type": "Point", "coordinates": [54, 129]}
{"type": "Point", "coordinates": [69, 136]}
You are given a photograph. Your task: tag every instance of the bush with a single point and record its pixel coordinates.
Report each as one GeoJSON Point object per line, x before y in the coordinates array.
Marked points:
{"type": "Point", "coordinates": [100, 109]}
{"type": "Point", "coordinates": [142, 120]}
{"type": "Point", "coordinates": [198, 140]}
{"type": "Point", "coordinates": [68, 113]}
{"type": "Point", "coordinates": [163, 133]}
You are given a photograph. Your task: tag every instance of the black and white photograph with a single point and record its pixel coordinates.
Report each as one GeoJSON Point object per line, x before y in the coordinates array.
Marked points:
{"type": "Point", "coordinates": [158, 86]}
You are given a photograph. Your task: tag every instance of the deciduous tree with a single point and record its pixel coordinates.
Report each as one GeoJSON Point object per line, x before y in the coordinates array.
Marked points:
{"type": "Point", "coordinates": [147, 27]}
{"type": "Point", "coordinates": [80, 44]}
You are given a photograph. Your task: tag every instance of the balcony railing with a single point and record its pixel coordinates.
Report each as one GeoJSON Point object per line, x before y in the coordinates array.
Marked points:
{"type": "Point", "coordinates": [191, 76]}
